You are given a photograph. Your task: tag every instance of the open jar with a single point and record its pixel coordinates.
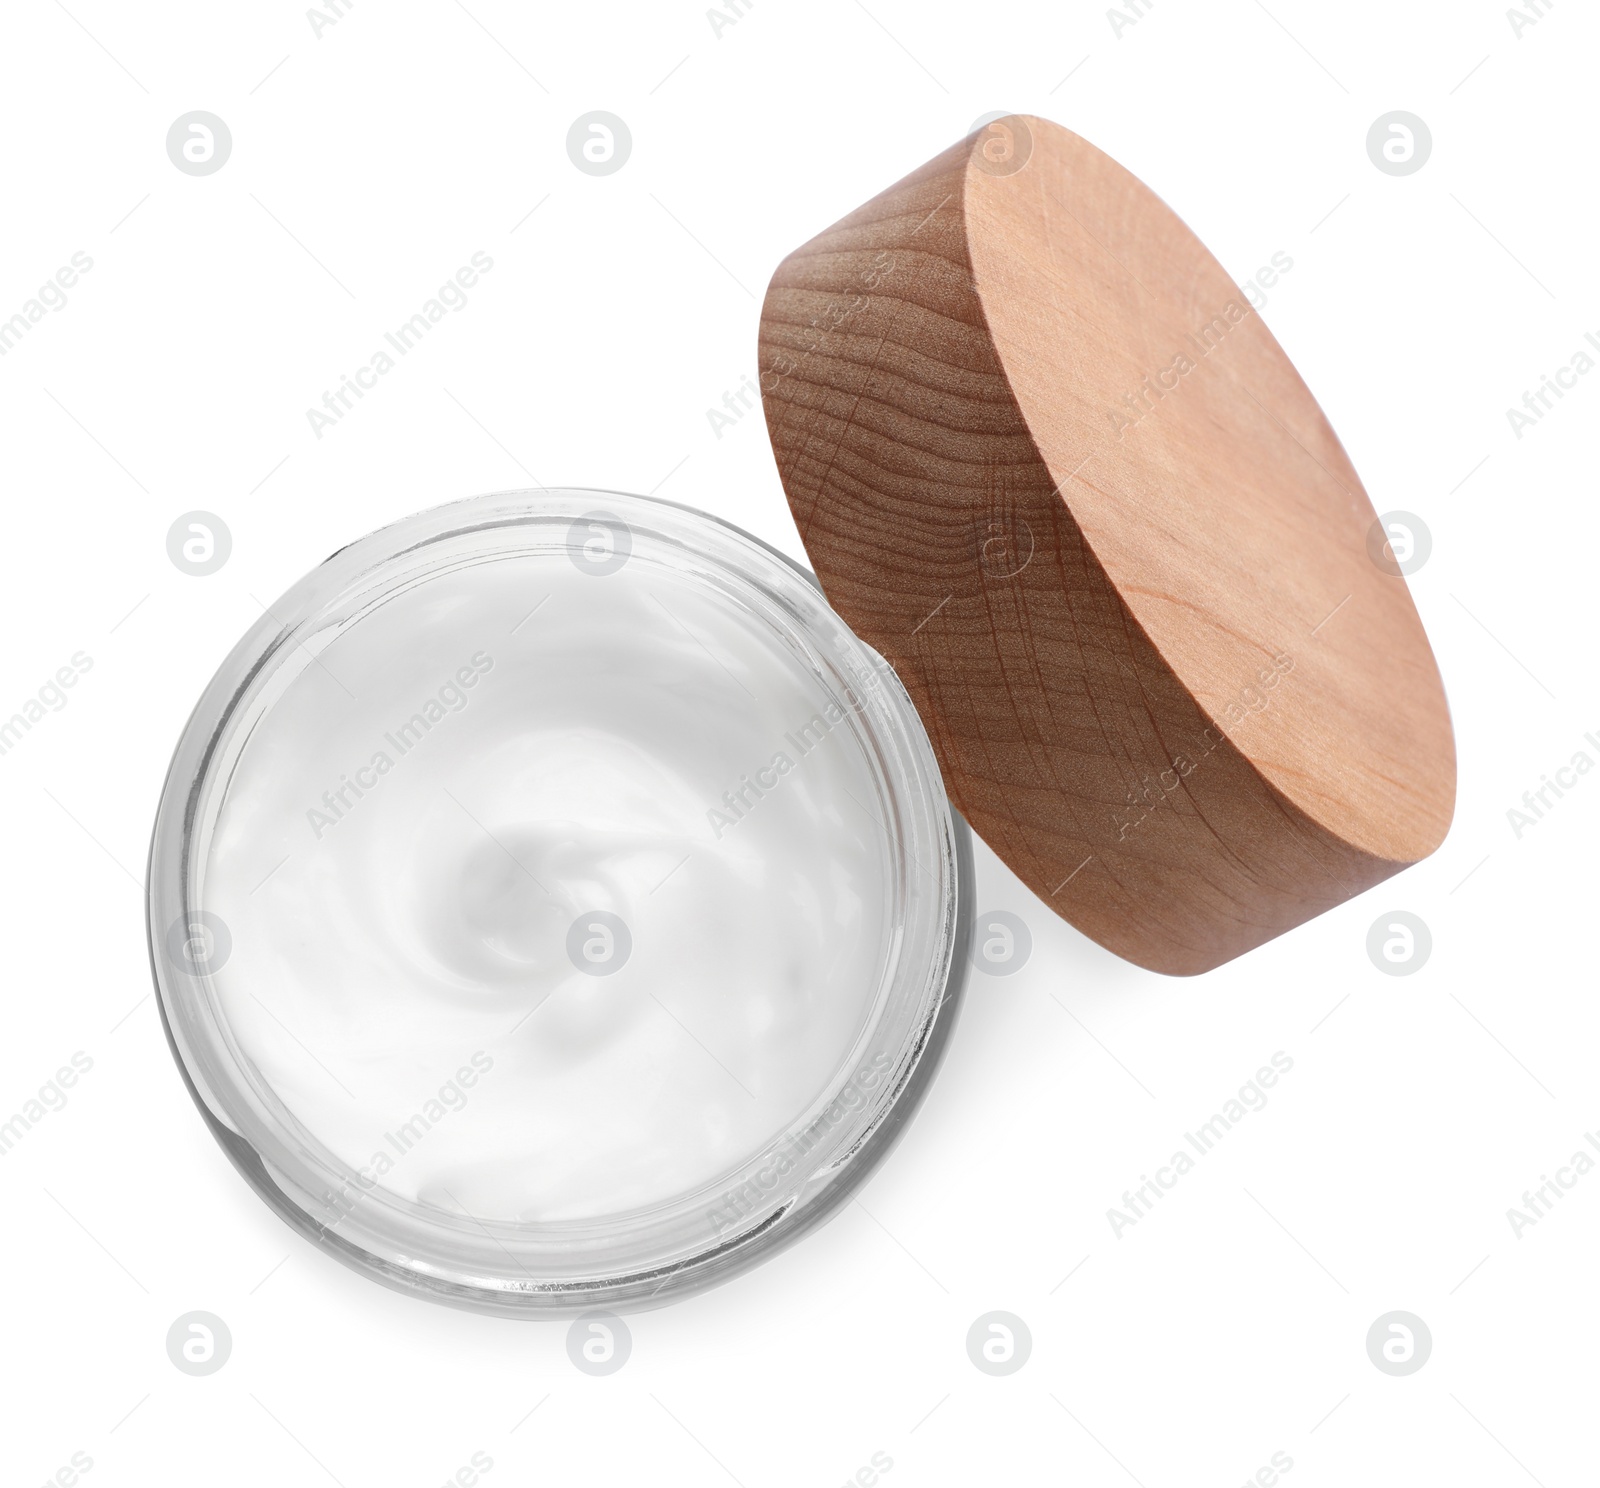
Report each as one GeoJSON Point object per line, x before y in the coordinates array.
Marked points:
{"type": "Point", "coordinates": [553, 905]}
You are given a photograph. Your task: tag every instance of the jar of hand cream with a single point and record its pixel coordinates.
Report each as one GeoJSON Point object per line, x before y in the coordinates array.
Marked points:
{"type": "Point", "coordinates": [554, 905]}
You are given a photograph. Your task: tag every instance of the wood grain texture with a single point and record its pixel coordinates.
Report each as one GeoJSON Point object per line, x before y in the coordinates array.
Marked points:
{"type": "Point", "coordinates": [1046, 458]}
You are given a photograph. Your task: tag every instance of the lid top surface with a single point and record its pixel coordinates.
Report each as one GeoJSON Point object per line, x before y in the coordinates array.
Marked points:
{"type": "Point", "coordinates": [1211, 488]}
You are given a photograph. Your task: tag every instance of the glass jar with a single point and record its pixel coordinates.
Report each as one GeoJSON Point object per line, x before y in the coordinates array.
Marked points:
{"type": "Point", "coordinates": [554, 906]}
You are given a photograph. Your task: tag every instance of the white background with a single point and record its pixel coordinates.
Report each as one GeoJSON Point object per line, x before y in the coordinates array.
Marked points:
{"type": "Point", "coordinates": [368, 164]}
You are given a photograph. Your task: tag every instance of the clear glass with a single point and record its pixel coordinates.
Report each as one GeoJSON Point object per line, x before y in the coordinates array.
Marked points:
{"type": "Point", "coordinates": [554, 905]}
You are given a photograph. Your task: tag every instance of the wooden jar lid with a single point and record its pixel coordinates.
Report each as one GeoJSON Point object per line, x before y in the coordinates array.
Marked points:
{"type": "Point", "coordinates": [1047, 459]}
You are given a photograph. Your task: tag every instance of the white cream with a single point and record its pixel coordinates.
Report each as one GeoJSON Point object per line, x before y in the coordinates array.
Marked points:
{"type": "Point", "coordinates": [635, 742]}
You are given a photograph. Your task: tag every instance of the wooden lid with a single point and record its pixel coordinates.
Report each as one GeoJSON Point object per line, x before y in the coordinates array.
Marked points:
{"type": "Point", "coordinates": [1047, 459]}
